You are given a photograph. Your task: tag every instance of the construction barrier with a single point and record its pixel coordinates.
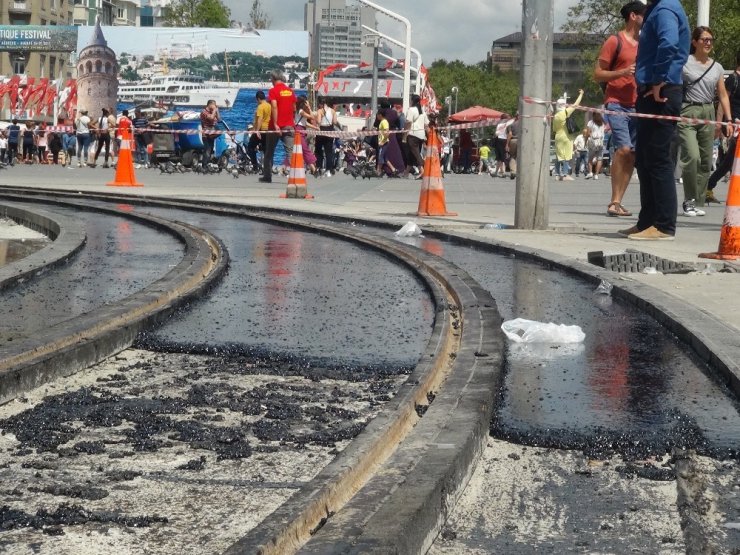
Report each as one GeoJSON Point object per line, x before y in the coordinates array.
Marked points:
{"type": "Point", "coordinates": [297, 186]}
{"type": "Point", "coordinates": [729, 237]}
{"type": "Point", "coordinates": [125, 176]}
{"type": "Point", "coordinates": [432, 194]}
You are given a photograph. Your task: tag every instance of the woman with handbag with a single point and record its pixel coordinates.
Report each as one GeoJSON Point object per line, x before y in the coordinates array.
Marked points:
{"type": "Point", "coordinates": [327, 117]}
{"type": "Point", "coordinates": [703, 80]}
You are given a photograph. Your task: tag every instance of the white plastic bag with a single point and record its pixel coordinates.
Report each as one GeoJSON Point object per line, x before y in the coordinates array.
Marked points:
{"type": "Point", "coordinates": [520, 330]}
{"type": "Point", "coordinates": [409, 230]}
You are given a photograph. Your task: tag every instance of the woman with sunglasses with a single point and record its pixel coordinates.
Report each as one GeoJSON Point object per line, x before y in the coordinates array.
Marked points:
{"type": "Point", "coordinates": [702, 83]}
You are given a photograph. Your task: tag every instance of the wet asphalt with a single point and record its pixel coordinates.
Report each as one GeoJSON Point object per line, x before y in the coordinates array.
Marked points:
{"type": "Point", "coordinates": [121, 257]}
{"type": "Point", "coordinates": [631, 388]}
{"type": "Point", "coordinates": [309, 305]}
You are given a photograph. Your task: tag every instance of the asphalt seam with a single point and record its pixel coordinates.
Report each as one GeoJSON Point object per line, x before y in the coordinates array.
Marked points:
{"type": "Point", "coordinates": [78, 343]}
{"type": "Point", "coordinates": [67, 236]}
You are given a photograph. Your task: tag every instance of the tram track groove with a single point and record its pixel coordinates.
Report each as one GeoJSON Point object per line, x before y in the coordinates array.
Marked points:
{"type": "Point", "coordinates": [89, 338]}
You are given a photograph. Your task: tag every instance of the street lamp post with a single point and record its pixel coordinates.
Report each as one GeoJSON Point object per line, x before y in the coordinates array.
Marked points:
{"type": "Point", "coordinates": [454, 91]}
{"type": "Point", "coordinates": [702, 18]}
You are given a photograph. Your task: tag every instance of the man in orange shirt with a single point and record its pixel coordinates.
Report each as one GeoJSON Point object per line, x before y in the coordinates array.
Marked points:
{"type": "Point", "coordinates": [616, 68]}
{"type": "Point", "coordinates": [282, 124]}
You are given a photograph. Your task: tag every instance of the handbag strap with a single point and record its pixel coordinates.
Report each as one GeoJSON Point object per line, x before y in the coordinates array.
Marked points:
{"type": "Point", "coordinates": [700, 78]}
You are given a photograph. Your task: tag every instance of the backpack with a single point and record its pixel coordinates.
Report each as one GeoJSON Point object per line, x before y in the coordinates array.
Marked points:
{"type": "Point", "coordinates": [570, 124]}
{"type": "Point", "coordinates": [603, 84]}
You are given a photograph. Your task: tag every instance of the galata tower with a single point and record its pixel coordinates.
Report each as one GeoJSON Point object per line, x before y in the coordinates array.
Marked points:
{"type": "Point", "coordinates": [97, 76]}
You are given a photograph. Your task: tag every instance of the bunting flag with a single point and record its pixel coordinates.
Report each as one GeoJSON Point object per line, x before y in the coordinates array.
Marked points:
{"type": "Point", "coordinates": [334, 67]}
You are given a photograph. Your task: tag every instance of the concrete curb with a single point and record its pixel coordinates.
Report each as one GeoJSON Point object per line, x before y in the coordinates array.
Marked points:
{"type": "Point", "coordinates": [67, 235]}
{"type": "Point", "coordinates": [76, 344]}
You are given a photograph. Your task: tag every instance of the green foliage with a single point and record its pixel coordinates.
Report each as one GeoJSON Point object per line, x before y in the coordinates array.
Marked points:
{"type": "Point", "coordinates": [196, 13]}
{"type": "Point", "coordinates": [213, 13]}
{"type": "Point", "coordinates": [129, 74]}
{"type": "Point", "coordinates": [243, 66]}
{"type": "Point", "coordinates": [258, 18]}
{"type": "Point", "coordinates": [476, 86]}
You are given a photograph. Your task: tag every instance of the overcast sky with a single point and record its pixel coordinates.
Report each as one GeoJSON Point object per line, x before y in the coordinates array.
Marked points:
{"type": "Point", "coordinates": [449, 29]}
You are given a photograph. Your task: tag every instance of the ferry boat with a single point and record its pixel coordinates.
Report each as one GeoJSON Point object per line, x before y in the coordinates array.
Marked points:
{"type": "Point", "coordinates": [178, 90]}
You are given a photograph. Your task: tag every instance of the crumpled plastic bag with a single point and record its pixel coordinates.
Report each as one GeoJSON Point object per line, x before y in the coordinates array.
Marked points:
{"type": "Point", "coordinates": [521, 330]}
{"type": "Point", "coordinates": [410, 229]}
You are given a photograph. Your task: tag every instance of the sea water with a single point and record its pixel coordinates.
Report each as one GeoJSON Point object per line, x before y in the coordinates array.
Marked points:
{"type": "Point", "coordinates": [237, 117]}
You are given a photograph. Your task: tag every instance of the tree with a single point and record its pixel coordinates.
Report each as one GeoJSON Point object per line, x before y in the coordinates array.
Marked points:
{"type": "Point", "coordinates": [196, 13]}
{"type": "Point", "coordinates": [602, 17]}
{"type": "Point", "coordinates": [258, 18]}
{"type": "Point", "coordinates": [476, 85]}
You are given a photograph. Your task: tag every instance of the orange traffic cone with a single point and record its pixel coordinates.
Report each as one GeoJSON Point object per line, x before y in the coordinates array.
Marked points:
{"type": "Point", "coordinates": [297, 186]}
{"type": "Point", "coordinates": [432, 195]}
{"type": "Point", "coordinates": [729, 237]}
{"type": "Point", "coordinates": [125, 168]}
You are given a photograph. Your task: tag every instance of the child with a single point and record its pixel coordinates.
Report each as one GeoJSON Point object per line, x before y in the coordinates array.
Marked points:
{"type": "Point", "coordinates": [383, 138]}
{"type": "Point", "coordinates": [581, 150]}
{"type": "Point", "coordinates": [484, 152]}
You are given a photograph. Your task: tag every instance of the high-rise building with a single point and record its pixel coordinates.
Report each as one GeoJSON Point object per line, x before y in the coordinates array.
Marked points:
{"type": "Point", "coordinates": [335, 32]}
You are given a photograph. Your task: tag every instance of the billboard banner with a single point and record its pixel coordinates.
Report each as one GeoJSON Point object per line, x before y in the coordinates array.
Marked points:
{"type": "Point", "coordinates": [38, 38]}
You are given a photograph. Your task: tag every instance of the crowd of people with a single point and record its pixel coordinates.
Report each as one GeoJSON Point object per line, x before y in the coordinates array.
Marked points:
{"type": "Point", "coordinates": [82, 142]}
{"type": "Point", "coordinates": [656, 66]}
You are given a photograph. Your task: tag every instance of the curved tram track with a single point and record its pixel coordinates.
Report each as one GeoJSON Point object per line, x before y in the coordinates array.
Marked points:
{"type": "Point", "coordinates": [249, 396]}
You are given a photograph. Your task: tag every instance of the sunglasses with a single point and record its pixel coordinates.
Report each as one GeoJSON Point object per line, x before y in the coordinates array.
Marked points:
{"type": "Point", "coordinates": [707, 40]}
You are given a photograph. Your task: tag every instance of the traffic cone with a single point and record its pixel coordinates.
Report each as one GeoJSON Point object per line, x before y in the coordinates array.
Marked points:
{"type": "Point", "coordinates": [729, 237]}
{"type": "Point", "coordinates": [297, 186]}
{"type": "Point", "coordinates": [432, 194]}
{"type": "Point", "coordinates": [125, 176]}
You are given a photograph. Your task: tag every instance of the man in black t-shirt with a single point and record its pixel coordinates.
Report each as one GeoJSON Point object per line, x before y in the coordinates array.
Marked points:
{"type": "Point", "coordinates": [732, 84]}
{"type": "Point", "coordinates": [14, 133]}
{"type": "Point", "coordinates": [140, 122]}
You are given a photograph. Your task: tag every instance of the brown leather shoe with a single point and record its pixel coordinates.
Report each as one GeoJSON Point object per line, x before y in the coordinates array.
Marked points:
{"type": "Point", "coordinates": [651, 234]}
{"type": "Point", "coordinates": [630, 231]}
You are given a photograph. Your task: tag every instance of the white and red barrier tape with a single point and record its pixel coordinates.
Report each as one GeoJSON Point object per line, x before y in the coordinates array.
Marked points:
{"type": "Point", "coordinates": [455, 127]}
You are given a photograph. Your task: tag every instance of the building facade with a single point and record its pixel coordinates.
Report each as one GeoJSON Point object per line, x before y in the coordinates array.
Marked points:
{"type": "Point", "coordinates": [568, 63]}
{"type": "Point", "coordinates": [36, 12]}
{"type": "Point", "coordinates": [86, 12]}
{"type": "Point", "coordinates": [97, 76]}
{"type": "Point", "coordinates": [336, 33]}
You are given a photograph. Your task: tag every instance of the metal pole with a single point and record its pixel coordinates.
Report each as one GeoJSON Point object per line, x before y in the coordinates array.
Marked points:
{"type": "Point", "coordinates": [374, 97]}
{"type": "Point", "coordinates": [532, 197]}
{"type": "Point", "coordinates": [702, 18]}
{"type": "Point", "coordinates": [407, 49]}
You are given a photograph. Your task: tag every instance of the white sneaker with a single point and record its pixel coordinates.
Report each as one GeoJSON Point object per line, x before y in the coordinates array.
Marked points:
{"type": "Point", "coordinates": [596, 176]}
{"type": "Point", "coordinates": [589, 175]}
{"type": "Point", "coordinates": [689, 209]}
{"type": "Point", "coordinates": [567, 178]}
{"type": "Point", "coordinates": [328, 173]}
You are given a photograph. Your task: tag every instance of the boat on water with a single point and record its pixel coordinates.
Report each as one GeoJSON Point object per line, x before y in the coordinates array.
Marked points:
{"type": "Point", "coordinates": [178, 90]}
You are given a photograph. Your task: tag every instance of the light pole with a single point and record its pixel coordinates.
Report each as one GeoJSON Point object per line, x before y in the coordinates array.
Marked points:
{"type": "Point", "coordinates": [702, 18]}
{"type": "Point", "coordinates": [407, 48]}
{"type": "Point", "coordinates": [454, 91]}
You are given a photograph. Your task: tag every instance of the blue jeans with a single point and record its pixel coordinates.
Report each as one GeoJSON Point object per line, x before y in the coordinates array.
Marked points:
{"type": "Point", "coordinates": [624, 128]}
{"type": "Point", "coordinates": [582, 162]}
{"type": "Point", "coordinates": [562, 168]}
{"type": "Point", "coordinates": [83, 145]}
{"type": "Point", "coordinates": [654, 161]}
